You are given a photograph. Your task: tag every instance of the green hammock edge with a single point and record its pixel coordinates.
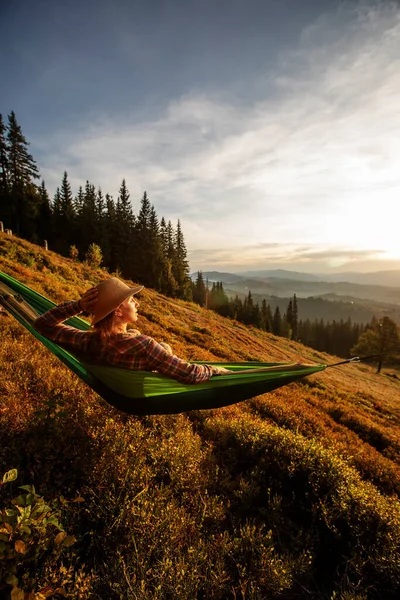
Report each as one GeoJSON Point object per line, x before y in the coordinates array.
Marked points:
{"type": "Point", "coordinates": [142, 393]}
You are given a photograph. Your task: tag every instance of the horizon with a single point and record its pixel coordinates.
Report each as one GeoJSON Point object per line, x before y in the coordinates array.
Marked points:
{"type": "Point", "coordinates": [271, 125]}
{"type": "Point", "coordinates": [395, 270]}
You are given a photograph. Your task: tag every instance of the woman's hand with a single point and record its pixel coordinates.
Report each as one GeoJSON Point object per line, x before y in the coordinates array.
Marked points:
{"type": "Point", "coordinates": [89, 299]}
{"type": "Point", "coordinates": [223, 371]}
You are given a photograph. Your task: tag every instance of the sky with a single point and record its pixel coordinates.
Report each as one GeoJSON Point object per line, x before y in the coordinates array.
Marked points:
{"type": "Point", "coordinates": [270, 128]}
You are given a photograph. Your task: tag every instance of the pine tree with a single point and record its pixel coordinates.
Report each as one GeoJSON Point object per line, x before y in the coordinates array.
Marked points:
{"type": "Point", "coordinates": [199, 290]}
{"type": "Point", "coordinates": [86, 219]}
{"type": "Point", "coordinates": [164, 237]}
{"type": "Point", "coordinates": [78, 202]}
{"type": "Point", "coordinates": [295, 319]}
{"type": "Point", "coordinates": [142, 255]}
{"type": "Point", "coordinates": [110, 234]}
{"type": "Point", "coordinates": [143, 219]}
{"type": "Point", "coordinates": [248, 310]}
{"type": "Point", "coordinates": [266, 317]}
{"type": "Point", "coordinates": [180, 266]}
{"type": "Point", "coordinates": [100, 205]}
{"type": "Point", "coordinates": [67, 216]}
{"type": "Point", "coordinates": [45, 216]}
{"type": "Point", "coordinates": [22, 171]}
{"type": "Point", "coordinates": [236, 308]}
{"type": "Point", "coordinates": [4, 189]}
{"type": "Point", "coordinates": [289, 316]}
{"type": "Point", "coordinates": [99, 232]}
{"type": "Point", "coordinates": [57, 223]}
{"type": "Point", "coordinates": [158, 264]}
{"type": "Point", "coordinates": [277, 322]}
{"type": "Point", "coordinates": [218, 300]}
{"type": "Point", "coordinates": [124, 243]}
{"type": "Point", "coordinates": [169, 283]}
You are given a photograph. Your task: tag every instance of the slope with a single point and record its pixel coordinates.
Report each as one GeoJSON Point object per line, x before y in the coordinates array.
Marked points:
{"type": "Point", "coordinates": [291, 494]}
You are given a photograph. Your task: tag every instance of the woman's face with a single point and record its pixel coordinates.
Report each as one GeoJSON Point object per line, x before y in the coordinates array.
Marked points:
{"type": "Point", "coordinates": [129, 310]}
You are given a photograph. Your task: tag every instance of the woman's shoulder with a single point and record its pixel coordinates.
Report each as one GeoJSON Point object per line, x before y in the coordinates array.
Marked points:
{"type": "Point", "coordinates": [133, 332]}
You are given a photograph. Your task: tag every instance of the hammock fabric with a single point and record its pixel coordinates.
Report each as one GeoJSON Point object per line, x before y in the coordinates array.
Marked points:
{"type": "Point", "coordinates": [147, 393]}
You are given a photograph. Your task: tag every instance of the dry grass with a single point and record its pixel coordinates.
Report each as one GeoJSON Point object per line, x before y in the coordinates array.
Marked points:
{"type": "Point", "coordinates": [289, 495]}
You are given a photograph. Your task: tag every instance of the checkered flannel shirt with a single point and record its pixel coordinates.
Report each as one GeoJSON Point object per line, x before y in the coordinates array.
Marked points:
{"type": "Point", "coordinates": [130, 350]}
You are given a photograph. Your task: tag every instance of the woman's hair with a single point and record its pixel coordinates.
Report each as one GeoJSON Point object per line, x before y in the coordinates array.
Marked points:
{"type": "Point", "coordinates": [104, 328]}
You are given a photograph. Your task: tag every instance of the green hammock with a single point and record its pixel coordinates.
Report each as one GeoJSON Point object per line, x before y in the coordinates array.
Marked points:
{"type": "Point", "coordinates": [142, 392]}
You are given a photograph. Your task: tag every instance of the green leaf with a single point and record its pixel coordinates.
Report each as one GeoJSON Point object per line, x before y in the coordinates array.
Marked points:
{"type": "Point", "coordinates": [30, 499]}
{"type": "Point", "coordinates": [28, 488]}
{"type": "Point", "coordinates": [27, 512]}
{"type": "Point", "coordinates": [20, 500]}
{"type": "Point", "coordinates": [10, 476]}
{"type": "Point", "coordinates": [25, 529]}
{"type": "Point", "coordinates": [54, 521]}
{"type": "Point", "coordinates": [69, 541]}
{"type": "Point", "coordinates": [12, 580]}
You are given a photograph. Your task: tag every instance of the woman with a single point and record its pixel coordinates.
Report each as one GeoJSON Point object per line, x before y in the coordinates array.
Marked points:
{"type": "Point", "coordinates": [113, 306]}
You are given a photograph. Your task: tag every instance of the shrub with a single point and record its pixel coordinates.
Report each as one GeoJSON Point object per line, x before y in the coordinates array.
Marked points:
{"type": "Point", "coordinates": [73, 252]}
{"type": "Point", "coordinates": [94, 256]}
{"type": "Point", "coordinates": [30, 532]}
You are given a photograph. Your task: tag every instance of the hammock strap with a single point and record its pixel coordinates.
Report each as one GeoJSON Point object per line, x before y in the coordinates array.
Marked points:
{"type": "Point", "coordinates": [355, 359]}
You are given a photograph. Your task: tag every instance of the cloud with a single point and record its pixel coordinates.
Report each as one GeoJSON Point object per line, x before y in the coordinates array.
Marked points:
{"type": "Point", "coordinates": [317, 258]}
{"type": "Point", "coordinates": [312, 158]}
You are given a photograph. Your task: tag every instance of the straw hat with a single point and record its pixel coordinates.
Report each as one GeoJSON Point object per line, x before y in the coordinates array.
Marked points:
{"type": "Point", "coordinates": [112, 292]}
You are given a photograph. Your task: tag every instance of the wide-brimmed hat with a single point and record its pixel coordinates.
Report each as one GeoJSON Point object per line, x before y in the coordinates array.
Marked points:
{"type": "Point", "coordinates": [112, 292]}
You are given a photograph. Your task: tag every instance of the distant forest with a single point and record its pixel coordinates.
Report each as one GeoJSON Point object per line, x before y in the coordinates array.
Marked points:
{"type": "Point", "coordinates": [95, 227]}
{"type": "Point", "coordinates": [338, 337]}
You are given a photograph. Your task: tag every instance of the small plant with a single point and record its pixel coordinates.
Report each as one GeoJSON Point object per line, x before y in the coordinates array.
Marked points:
{"type": "Point", "coordinates": [73, 252]}
{"type": "Point", "coordinates": [94, 256]}
{"type": "Point", "coordinates": [29, 531]}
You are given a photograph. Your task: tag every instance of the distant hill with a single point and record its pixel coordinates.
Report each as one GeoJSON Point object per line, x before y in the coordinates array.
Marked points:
{"type": "Point", "coordinates": [385, 278]}
{"type": "Point", "coordinates": [336, 299]}
{"type": "Point", "coordinates": [218, 276]}
{"type": "Point", "coordinates": [280, 274]}
{"type": "Point", "coordinates": [281, 287]}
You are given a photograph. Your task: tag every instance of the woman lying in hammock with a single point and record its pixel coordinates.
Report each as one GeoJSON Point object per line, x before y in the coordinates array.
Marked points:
{"type": "Point", "coordinates": [109, 342]}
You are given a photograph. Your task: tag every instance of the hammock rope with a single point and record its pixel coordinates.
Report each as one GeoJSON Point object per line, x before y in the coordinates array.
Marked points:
{"type": "Point", "coordinates": [145, 393]}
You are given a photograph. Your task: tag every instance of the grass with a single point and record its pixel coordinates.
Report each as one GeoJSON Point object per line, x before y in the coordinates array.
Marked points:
{"type": "Point", "coordinates": [292, 494]}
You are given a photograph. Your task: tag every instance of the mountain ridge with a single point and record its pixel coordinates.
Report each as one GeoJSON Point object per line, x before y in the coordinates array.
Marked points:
{"type": "Point", "coordinates": [385, 278]}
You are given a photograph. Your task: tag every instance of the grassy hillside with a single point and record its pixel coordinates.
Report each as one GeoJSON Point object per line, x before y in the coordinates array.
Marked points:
{"type": "Point", "coordinates": [294, 494]}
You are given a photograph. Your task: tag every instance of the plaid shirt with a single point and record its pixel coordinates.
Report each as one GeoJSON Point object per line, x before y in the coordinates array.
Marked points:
{"type": "Point", "coordinates": [130, 350]}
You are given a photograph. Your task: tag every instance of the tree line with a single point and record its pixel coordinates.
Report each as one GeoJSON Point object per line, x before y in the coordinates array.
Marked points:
{"type": "Point", "coordinates": [342, 338]}
{"type": "Point", "coordinates": [91, 224]}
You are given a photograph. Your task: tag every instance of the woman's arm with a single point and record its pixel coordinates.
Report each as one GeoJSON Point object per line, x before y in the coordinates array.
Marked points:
{"type": "Point", "coordinates": [162, 361]}
{"type": "Point", "coordinates": [50, 323]}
